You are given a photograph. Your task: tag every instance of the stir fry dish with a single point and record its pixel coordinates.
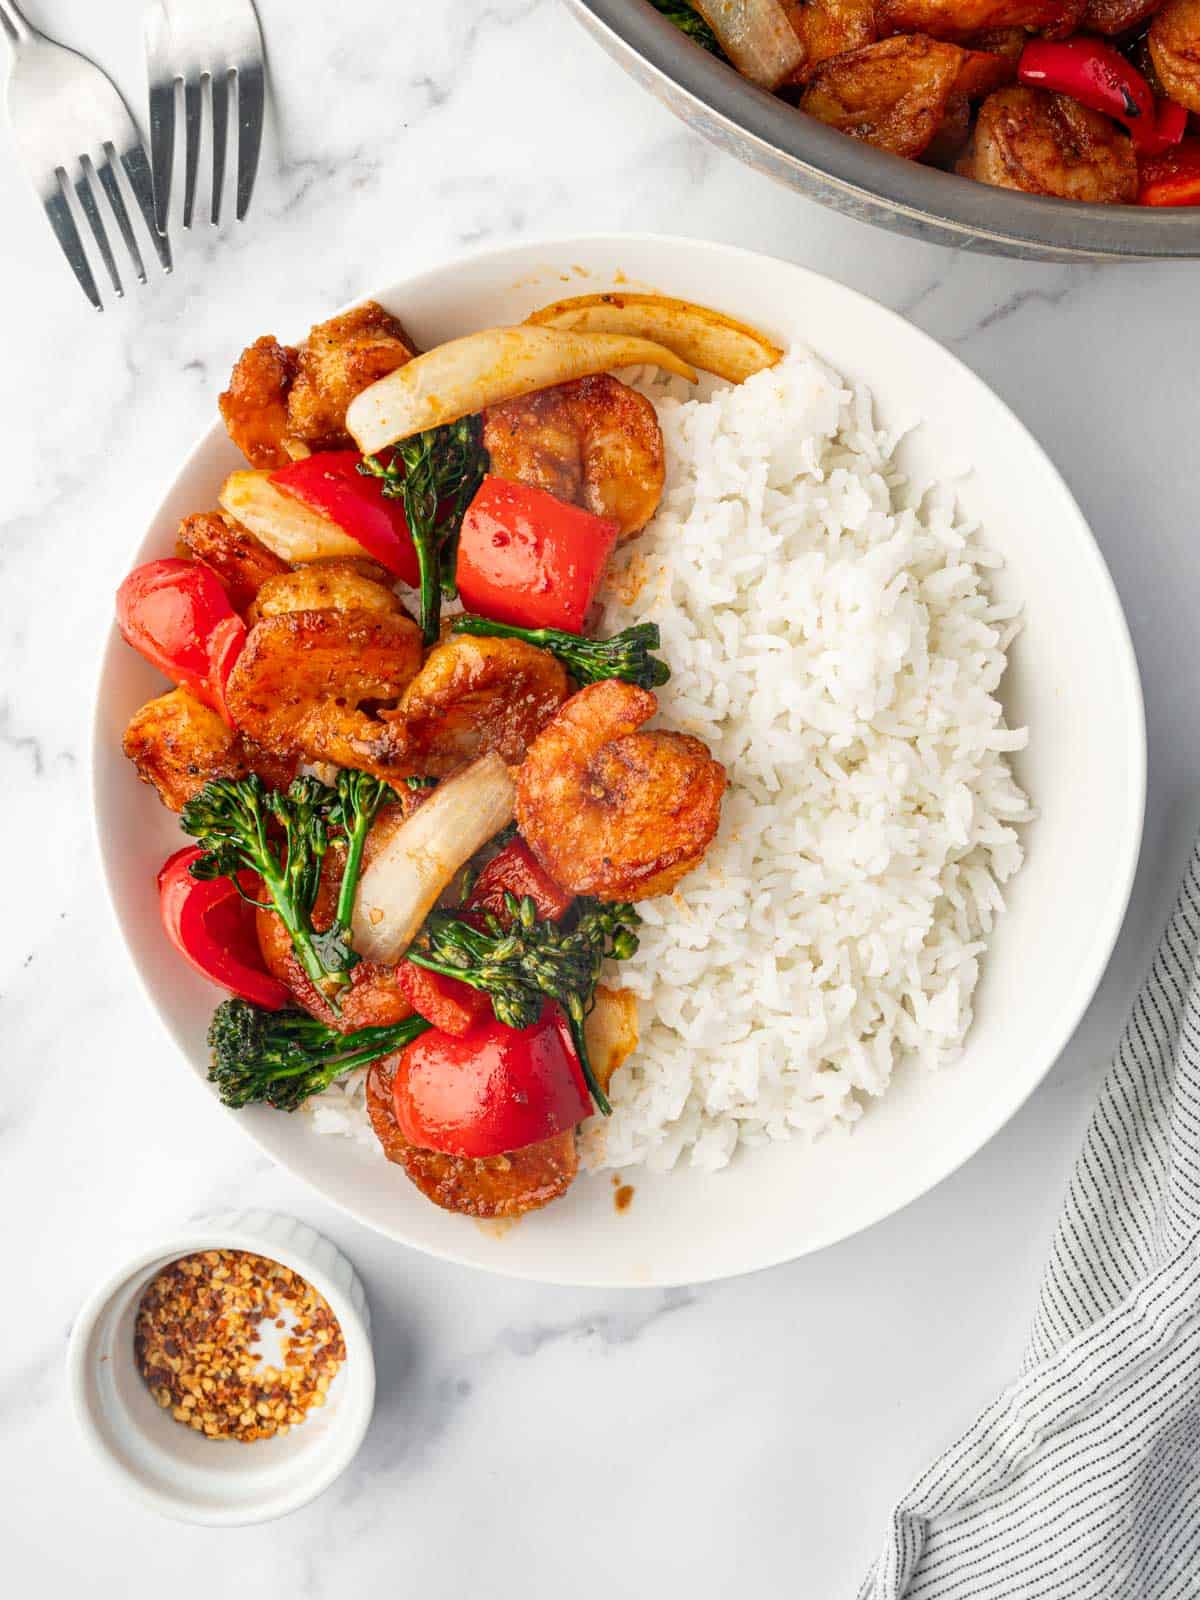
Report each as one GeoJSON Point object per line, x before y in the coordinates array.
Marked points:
{"type": "Point", "coordinates": [1092, 100]}
{"type": "Point", "coordinates": [422, 800]}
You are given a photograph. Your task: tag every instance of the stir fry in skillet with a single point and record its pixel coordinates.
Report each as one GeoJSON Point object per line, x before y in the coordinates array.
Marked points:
{"type": "Point", "coordinates": [418, 832]}
{"type": "Point", "coordinates": [1081, 99]}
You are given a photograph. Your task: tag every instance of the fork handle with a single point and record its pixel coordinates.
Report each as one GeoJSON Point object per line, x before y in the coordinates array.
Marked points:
{"type": "Point", "coordinates": [13, 23]}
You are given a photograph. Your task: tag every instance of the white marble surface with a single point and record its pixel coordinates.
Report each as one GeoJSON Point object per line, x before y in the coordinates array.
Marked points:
{"type": "Point", "coordinates": [749, 1436]}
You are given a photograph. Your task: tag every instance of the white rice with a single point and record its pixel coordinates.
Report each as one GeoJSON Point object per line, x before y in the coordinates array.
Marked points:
{"type": "Point", "coordinates": [836, 648]}
{"type": "Point", "coordinates": [832, 639]}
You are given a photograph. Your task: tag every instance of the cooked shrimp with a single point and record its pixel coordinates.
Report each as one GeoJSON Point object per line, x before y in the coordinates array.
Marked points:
{"type": "Point", "coordinates": [613, 812]}
{"type": "Point", "coordinates": [339, 359]}
{"type": "Point", "coordinates": [594, 442]}
{"type": "Point", "coordinates": [177, 744]}
{"type": "Point", "coordinates": [495, 1186]}
{"type": "Point", "coordinates": [282, 401]}
{"type": "Point", "coordinates": [255, 404]}
{"type": "Point", "coordinates": [1117, 16]}
{"type": "Point", "coordinates": [893, 94]}
{"type": "Point", "coordinates": [234, 554]}
{"type": "Point", "coordinates": [311, 683]}
{"type": "Point", "coordinates": [339, 584]}
{"type": "Point", "coordinates": [1175, 51]}
{"type": "Point", "coordinates": [959, 19]}
{"type": "Point", "coordinates": [829, 28]}
{"type": "Point", "coordinates": [476, 695]}
{"type": "Point", "coordinates": [1049, 144]}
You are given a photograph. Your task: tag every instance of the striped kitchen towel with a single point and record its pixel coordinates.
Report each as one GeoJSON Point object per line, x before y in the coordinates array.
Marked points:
{"type": "Point", "coordinates": [1083, 1478]}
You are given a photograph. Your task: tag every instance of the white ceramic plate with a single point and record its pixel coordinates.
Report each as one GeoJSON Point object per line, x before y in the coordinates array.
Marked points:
{"type": "Point", "coordinates": [1073, 680]}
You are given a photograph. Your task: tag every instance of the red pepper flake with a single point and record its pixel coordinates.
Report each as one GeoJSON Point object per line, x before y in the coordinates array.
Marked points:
{"type": "Point", "coordinates": [196, 1327]}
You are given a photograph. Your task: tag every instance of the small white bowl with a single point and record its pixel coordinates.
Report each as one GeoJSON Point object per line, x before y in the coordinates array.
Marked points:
{"type": "Point", "coordinates": [175, 1470]}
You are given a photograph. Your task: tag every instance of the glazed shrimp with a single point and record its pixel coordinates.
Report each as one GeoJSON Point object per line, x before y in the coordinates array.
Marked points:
{"type": "Point", "coordinates": [896, 94]}
{"type": "Point", "coordinates": [315, 684]}
{"type": "Point", "coordinates": [1049, 144]}
{"type": "Point", "coordinates": [960, 20]}
{"type": "Point", "coordinates": [1175, 50]}
{"type": "Point", "coordinates": [613, 812]}
{"type": "Point", "coordinates": [594, 442]}
{"type": "Point", "coordinates": [476, 695]}
{"type": "Point", "coordinates": [283, 401]}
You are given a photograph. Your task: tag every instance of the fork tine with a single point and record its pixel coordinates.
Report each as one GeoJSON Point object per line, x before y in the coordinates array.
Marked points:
{"type": "Point", "coordinates": [193, 104]}
{"type": "Point", "coordinates": [108, 182]}
{"type": "Point", "coordinates": [87, 202]}
{"type": "Point", "coordinates": [219, 83]}
{"type": "Point", "coordinates": [251, 97]}
{"type": "Point", "coordinates": [67, 234]}
{"type": "Point", "coordinates": [162, 147]}
{"type": "Point", "coordinates": [137, 170]}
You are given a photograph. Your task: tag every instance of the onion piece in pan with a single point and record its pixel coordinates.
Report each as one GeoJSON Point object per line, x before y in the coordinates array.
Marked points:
{"type": "Point", "coordinates": [757, 37]}
{"type": "Point", "coordinates": [703, 337]}
{"type": "Point", "coordinates": [400, 886]}
{"type": "Point", "coordinates": [465, 375]}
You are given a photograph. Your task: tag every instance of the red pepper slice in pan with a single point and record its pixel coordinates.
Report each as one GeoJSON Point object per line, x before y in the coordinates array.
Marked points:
{"type": "Point", "coordinates": [1094, 74]}
{"type": "Point", "coordinates": [213, 928]}
{"type": "Point", "coordinates": [329, 481]}
{"type": "Point", "coordinates": [176, 613]}
{"type": "Point", "coordinates": [1171, 120]}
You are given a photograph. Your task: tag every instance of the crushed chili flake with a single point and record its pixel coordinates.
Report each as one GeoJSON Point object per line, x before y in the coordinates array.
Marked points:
{"type": "Point", "coordinates": [197, 1324]}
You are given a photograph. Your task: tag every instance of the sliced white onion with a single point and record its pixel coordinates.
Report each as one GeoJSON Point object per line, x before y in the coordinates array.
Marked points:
{"type": "Point", "coordinates": [462, 377]}
{"type": "Point", "coordinates": [704, 338]}
{"type": "Point", "coordinates": [757, 37]}
{"type": "Point", "coordinates": [611, 1031]}
{"type": "Point", "coordinates": [400, 886]}
{"type": "Point", "coordinates": [294, 531]}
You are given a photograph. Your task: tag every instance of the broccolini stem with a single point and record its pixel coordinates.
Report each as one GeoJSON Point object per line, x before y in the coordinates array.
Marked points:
{"type": "Point", "coordinates": [531, 960]}
{"type": "Point", "coordinates": [284, 1057]}
{"type": "Point", "coordinates": [626, 655]}
{"type": "Point", "coordinates": [434, 475]}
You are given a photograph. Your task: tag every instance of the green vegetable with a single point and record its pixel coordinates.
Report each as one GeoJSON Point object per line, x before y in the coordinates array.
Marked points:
{"type": "Point", "coordinates": [421, 783]}
{"type": "Point", "coordinates": [434, 475]}
{"type": "Point", "coordinates": [359, 797]}
{"type": "Point", "coordinates": [231, 818]}
{"type": "Point", "coordinates": [689, 22]}
{"type": "Point", "coordinates": [626, 655]}
{"type": "Point", "coordinates": [282, 1057]}
{"type": "Point", "coordinates": [520, 966]}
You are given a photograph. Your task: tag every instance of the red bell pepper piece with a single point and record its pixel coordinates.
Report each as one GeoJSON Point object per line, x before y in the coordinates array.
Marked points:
{"type": "Point", "coordinates": [329, 481]}
{"type": "Point", "coordinates": [1173, 178]}
{"type": "Point", "coordinates": [492, 1090]}
{"type": "Point", "coordinates": [447, 1003]}
{"type": "Point", "coordinates": [1171, 120]}
{"type": "Point", "coordinates": [1094, 74]}
{"type": "Point", "coordinates": [213, 928]}
{"type": "Point", "coordinates": [516, 870]}
{"type": "Point", "coordinates": [527, 558]}
{"type": "Point", "coordinates": [177, 615]}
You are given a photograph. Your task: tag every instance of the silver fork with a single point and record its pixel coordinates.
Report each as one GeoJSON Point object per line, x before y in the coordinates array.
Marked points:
{"type": "Point", "coordinates": [193, 43]}
{"type": "Point", "coordinates": [75, 131]}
